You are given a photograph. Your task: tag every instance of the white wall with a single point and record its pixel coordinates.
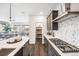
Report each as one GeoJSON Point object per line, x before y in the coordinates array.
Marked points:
{"type": "Point", "coordinates": [4, 11]}
{"type": "Point", "coordinates": [68, 30]}
{"type": "Point", "coordinates": [33, 20]}
{"type": "Point", "coordinates": [32, 29]}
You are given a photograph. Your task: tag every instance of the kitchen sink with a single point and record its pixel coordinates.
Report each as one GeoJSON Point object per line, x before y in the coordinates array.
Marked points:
{"type": "Point", "coordinates": [64, 46]}
{"type": "Point", "coordinates": [6, 51]}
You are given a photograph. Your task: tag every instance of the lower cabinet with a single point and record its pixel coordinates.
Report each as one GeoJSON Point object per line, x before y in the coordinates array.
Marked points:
{"type": "Point", "coordinates": [52, 51]}
{"type": "Point", "coordinates": [49, 48]}
{"type": "Point", "coordinates": [19, 53]}
{"type": "Point", "coordinates": [24, 51]}
{"type": "Point", "coordinates": [46, 44]}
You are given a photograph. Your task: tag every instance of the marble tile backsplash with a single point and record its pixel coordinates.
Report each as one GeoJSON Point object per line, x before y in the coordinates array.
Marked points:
{"type": "Point", "coordinates": [68, 30]}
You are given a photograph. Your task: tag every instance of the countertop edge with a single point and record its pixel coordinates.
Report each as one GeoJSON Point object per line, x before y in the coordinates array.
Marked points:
{"type": "Point", "coordinates": [18, 48]}
{"type": "Point", "coordinates": [60, 52]}
{"type": "Point", "coordinates": [53, 45]}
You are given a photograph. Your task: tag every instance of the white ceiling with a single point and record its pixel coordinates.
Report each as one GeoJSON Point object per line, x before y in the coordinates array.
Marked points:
{"type": "Point", "coordinates": [21, 11]}
{"type": "Point", "coordinates": [32, 8]}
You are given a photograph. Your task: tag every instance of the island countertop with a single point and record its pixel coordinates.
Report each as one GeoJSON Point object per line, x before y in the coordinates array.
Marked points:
{"type": "Point", "coordinates": [17, 46]}
{"type": "Point", "coordinates": [57, 49]}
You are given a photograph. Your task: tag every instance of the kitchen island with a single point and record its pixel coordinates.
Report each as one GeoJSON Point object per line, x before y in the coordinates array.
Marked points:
{"type": "Point", "coordinates": [22, 45]}
{"type": "Point", "coordinates": [53, 50]}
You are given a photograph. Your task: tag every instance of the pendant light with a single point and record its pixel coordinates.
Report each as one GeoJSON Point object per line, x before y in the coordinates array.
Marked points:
{"type": "Point", "coordinates": [10, 13]}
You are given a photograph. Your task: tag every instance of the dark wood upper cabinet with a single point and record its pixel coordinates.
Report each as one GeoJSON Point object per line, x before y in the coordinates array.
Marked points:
{"type": "Point", "coordinates": [54, 25]}
{"type": "Point", "coordinates": [50, 24]}
{"type": "Point", "coordinates": [54, 14]}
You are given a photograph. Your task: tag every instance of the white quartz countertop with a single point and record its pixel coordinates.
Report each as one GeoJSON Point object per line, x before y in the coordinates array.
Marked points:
{"type": "Point", "coordinates": [17, 46]}
{"type": "Point", "coordinates": [58, 50]}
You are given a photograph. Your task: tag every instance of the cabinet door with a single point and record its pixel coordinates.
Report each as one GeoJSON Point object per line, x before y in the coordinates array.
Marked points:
{"type": "Point", "coordinates": [46, 44]}
{"type": "Point", "coordinates": [54, 14]}
{"type": "Point", "coordinates": [54, 25]}
{"type": "Point", "coordinates": [52, 51]}
{"type": "Point", "coordinates": [26, 49]}
{"type": "Point", "coordinates": [19, 53]}
{"type": "Point", "coordinates": [51, 17]}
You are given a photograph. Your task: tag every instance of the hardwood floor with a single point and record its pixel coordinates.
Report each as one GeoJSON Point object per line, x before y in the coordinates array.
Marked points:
{"type": "Point", "coordinates": [37, 49]}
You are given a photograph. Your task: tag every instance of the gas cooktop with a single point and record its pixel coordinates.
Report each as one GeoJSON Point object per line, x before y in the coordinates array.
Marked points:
{"type": "Point", "coordinates": [64, 46]}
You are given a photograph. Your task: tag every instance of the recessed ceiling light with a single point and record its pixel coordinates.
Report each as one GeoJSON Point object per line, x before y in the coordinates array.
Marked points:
{"type": "Point", "coordinates": [41, 13]}
{"type": "Point", "coordinates": [23, 12]}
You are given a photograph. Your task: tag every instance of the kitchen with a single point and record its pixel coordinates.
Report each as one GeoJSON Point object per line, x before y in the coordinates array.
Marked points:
{"type": "Point", "coordinates": [39, 29]}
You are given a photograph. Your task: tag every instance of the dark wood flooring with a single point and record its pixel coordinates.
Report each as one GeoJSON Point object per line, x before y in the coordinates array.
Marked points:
{"type": "Point", "coordinates": [37, 49]}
